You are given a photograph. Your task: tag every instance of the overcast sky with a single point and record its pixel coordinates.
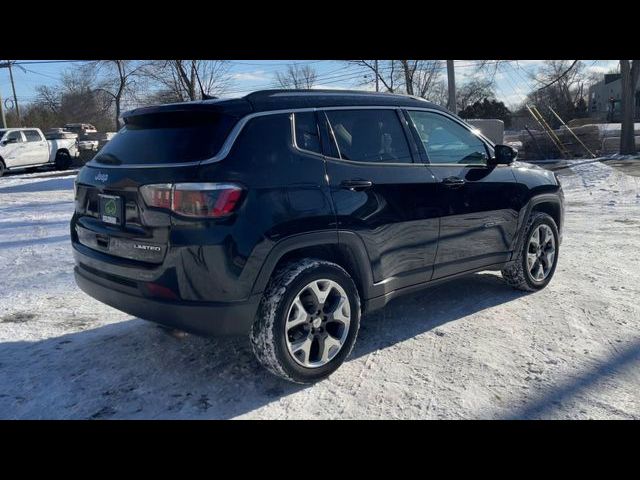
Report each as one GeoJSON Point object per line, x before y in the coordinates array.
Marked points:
{"type": "Point", "coordinates": [512, 80]}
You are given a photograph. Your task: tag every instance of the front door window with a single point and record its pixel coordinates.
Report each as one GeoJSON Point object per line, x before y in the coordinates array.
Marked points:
{"type": "Point", "coordinates": [446, 141]}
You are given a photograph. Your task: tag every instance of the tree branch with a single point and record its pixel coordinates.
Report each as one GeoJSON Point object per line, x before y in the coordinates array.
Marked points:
{"type": "Point", "coordinates": [562, 75]}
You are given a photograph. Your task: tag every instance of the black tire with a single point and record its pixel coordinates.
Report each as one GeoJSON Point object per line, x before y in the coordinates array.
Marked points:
{"type": "Point", "coordinates": [63, 160]}
{"type": "Point", "coordinates": [268, 336]}
{"type": "Point", "coordinates": [517, 274]}
{"type": "Point", "coordinates": [2, 168]}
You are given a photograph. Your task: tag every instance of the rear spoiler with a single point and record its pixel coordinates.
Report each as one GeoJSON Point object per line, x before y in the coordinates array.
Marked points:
{"type": "Point", "coordinates": [234, 108]}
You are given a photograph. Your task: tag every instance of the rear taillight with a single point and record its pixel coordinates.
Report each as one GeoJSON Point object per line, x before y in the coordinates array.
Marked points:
{"type": "Point", "coordinates": [158, 195]}
{"type": "Point", "coordinates": [197, 200]}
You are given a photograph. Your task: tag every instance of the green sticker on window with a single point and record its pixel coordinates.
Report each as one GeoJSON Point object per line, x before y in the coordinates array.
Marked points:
{"type": "Point", "coordinates": [110, 208]}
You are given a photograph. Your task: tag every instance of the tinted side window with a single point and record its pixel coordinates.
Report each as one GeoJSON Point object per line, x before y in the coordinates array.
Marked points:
{"type": "Point", "coordinates": [307, 135]}
{"type": "Point", "coordinates": [369, 136]}
{"type": "Point", "coordinates": [32, 136]}
{"type": "Point", "coordinates": [446, 141]}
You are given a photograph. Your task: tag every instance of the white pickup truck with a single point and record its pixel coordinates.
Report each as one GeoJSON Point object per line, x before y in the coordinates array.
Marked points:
{"type": "Point", "coordinates": [27, 147]}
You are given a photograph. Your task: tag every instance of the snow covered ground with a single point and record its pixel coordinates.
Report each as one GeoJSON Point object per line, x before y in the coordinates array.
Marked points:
{"type": "Point", "coordinates": [472, 348]}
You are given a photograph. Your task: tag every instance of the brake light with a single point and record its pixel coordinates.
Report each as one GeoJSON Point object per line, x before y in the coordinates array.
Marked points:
{"type": "Point", "coordinates": [197, 200]}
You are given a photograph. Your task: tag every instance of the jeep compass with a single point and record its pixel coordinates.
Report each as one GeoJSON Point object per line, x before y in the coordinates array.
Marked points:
{"type": "Point", "coordinates": [286, 215]}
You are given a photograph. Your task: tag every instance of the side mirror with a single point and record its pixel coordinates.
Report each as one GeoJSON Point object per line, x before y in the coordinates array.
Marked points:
{"type": "Point", "coordinates": [504, 155]}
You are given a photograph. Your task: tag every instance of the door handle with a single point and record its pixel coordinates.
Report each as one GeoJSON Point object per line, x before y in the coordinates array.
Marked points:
{"type": "Point", "coordinates": [453, 182]}
{"type": "Point", "coordinates": [356, 185]}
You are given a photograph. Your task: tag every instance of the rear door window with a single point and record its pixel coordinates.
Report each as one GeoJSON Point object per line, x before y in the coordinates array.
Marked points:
{"type": "Point", "coordinates": [168, 137]}
{"type": "Point", "coordinates": [369, 135]}
{"type": "Point", "coordinates": [32, 136]}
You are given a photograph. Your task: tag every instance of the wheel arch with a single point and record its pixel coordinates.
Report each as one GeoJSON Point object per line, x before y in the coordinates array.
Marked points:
{"type": "Point", "coordinates": [551, 208]}
{"type": "Point", "coordinates": [549, 203]}
{"type": "Point", "coordinates": [345, 250]}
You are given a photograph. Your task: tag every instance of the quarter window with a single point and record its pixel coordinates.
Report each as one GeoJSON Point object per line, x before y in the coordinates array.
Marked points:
{"type": "Point", "coordinates": [369, 136]}
{"type": "Point", "coordinates": [32, 136]}
{"type": "Point", "coordinates": [307, 136]}
{"type": "Point", "coordinates": [446, 141]}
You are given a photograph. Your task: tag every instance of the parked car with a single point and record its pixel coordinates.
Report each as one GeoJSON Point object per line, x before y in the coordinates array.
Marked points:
{"type": "Point", "coordinates": [89, 145]}
{"type": "Point", "coordinates": [80, 128]}
{"type": "Point", "coordinates": [27, 147]}
{"type": "Point", "coordinates": [57, 133]}
{"type": "Point", "coordinates": [85, 132]}
{"type": "Point", "coordinates": [101, 138]}
{"type": "Point", "coordinates": [286, 215]}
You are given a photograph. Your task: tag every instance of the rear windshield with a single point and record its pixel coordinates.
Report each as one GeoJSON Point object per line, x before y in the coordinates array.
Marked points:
{"type": "Point", "coordinates": [167, 138]}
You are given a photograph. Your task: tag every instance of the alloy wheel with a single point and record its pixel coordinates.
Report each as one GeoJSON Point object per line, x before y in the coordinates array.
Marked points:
{"type": "Point", "coordinates": [541, 252]}
{"type": "Point", "coordinates": [317, 323]}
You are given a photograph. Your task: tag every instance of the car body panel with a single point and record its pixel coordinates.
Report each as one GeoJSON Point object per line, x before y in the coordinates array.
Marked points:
{"type": "Point", "coordinates": [478, 220]}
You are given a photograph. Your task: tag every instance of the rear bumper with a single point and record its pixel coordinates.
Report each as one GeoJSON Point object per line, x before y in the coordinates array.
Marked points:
{"type": "Point", "coordinates": [201, 318]}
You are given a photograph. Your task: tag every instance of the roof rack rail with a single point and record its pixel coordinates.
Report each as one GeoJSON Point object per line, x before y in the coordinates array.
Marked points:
{"type": "Point", "coordinates": [260, 94]}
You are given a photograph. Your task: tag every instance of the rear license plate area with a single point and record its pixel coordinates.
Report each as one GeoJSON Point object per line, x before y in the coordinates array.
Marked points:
{"type": "Point", "coordinates": [110, 209]}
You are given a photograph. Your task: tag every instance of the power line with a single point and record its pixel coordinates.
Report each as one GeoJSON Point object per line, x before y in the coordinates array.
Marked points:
{"type": "Point", "coordinates": [238, 62]}
{"type": "Point", "coordinates": [43, 62]}
{"type": "Point", "coordinates": [522, 76]}
{"type": "Point", "coordinates": [507, 76]}
{"type": "Point", "coordinates": [41, 74]}
{"type": "Point", "coordinates": [346, 74]}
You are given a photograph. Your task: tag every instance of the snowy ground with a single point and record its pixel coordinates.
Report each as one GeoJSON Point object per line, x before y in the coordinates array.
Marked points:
{"type": "Point", "coordinates": [472, 348]}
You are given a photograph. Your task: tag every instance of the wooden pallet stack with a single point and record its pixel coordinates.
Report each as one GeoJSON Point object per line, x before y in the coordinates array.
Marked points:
{"type": "Point", "coordinates": [601, 139]}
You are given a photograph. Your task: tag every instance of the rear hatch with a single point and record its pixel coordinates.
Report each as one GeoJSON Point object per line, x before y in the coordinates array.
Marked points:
{"type": "Point", "coordinates": [158, 145]}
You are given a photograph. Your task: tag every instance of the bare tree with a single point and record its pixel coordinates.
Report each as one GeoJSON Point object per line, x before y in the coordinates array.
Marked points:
{"type": "Point", "coordinates": [421, 76]}
{"type": "Point", "coordinates": [75, 98]}
{"type": "Point", "coordinates": [120, 80]}
{"type": "Point", "coordinates": [409, 68]}
{"type": "Point", "coordinates": [184, 80]}
{"type": "Point", "coordinates": [49, 97]}
{"type": "Point", "coordinates": [559, 71]}
{"type": "Point", "coordinates": [562, 87]}
{"type": "Point", "coordinates": [474, 90]}
{"type": "Point", "coordinates": [388, 73]}
{"type": "Point", "coordinates": [297, 76]}
{"type": "Point", "coordinates": [630, 72]}
{"type": "Point", "coordinates": [489, 68]}
{"type": "Point", "coordinates": [564, 77]}
{"type": "Point", "coordinates": [439, 93]}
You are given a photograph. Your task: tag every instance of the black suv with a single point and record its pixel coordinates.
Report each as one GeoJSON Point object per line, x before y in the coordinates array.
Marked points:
{"type": "Point", "coordinates": [288, 214]}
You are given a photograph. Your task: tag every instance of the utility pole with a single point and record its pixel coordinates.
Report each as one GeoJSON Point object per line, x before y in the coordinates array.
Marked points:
{"type": "Point", "coordinates": [4, 120]}
{"type": "Point", "coordinates": [451, 77]}
{"type": "Point", "coordinates": [7, 64]}
{"type": "Point", "coordinates": [377, 78]}
{"type": "Point", "coordinates": [15, 97]}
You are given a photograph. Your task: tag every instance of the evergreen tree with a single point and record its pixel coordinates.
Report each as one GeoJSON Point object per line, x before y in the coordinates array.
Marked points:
{"type": "Point", "coordinates": [491, 109]}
